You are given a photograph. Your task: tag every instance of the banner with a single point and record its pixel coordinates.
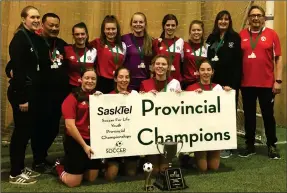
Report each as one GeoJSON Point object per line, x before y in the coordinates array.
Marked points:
{"type": "Point", "coordinates": [129, 125]}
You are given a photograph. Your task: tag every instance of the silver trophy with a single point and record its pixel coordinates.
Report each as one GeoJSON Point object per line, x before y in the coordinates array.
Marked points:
{"type": "Point", "coordinates": [171, 178]}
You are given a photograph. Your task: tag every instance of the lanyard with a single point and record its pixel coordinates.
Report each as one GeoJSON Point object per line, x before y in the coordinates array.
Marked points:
{"type": "Point", "coordinates": [194, 53]}
{"type": "Point", "coordinates": [77, 55]}
{"type": "Point", "coordinates": [171, 55]}
{"type": "Point", "coordinates": [53, 54]}
{"type": "Point", "coordinates": [116, 58]}
{"type": "Point", "coordinates": [139, 49]}
{"type": "Point", "coordinates": [219, 44]}
{"type": "Point", "coordinates": [254, 43]}
{"type": "Point", "coordinates": [165, 85]}
{"type": "Point", "coordinates": [31, 44]}
{"type": "Point", "coordinates": [202, 87]}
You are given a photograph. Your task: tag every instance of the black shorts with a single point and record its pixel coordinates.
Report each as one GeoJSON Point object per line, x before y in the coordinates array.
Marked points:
{"type": "Point", "coordinates": [119, 160]}
{"type": "Point", "coordinates": [76, 160]}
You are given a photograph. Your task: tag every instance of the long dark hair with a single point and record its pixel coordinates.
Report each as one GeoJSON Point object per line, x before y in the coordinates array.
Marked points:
{"type": "Point", "coordinates": [78, 92]}
{"type": "Point", "coordinates": [103, 38]}
{"type": "Point", "coordinates": [24, 14]}
{"type": "Point", "coordinates": [82, 25]}
{"type": "Point", "coordinates": [164, 20]}
{"type": "Point", "coordinates": [216, 30]}
{"type": "Point", "coordinates": [147, 43]}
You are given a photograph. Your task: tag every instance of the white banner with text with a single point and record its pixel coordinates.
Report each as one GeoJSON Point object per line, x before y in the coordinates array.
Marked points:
{"type": "Point", "coordinates": [130, 125]}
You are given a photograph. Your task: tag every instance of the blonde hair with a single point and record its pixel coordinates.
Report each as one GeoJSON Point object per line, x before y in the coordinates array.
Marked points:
{"type": "Point", "coordinates": [147, 43]}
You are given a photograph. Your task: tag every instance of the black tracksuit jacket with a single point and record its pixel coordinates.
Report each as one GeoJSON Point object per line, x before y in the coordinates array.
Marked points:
{"type": "Point", "coordinates": [228, 69]}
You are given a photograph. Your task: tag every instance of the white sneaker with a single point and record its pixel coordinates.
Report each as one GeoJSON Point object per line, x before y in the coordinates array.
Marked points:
{"type": "Point", "coordinates": [30, 172]}
{"type": "Point", "coordinates": [22, 179]}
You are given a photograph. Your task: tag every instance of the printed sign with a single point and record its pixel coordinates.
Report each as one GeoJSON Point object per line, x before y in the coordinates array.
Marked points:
{"type": "Point", "coordinates": [129, 125]}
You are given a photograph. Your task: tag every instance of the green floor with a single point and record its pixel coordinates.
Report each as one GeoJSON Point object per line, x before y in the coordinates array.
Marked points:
{"type": "Point", "coordinates": [254, 174]}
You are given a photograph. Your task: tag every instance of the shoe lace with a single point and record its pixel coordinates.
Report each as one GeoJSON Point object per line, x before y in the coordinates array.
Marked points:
{"type": "Point", "coordinates": [24, 176]}
{"type": "Point", "coordinates": [27, 171]}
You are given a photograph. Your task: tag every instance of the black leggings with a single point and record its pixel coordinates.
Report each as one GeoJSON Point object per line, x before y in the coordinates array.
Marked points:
{"type": "Point", "coordinates": [23, 124]}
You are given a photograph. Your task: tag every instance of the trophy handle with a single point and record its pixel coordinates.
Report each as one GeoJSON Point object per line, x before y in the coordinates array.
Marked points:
{"type": "Point", "coordinates": [181, 146]}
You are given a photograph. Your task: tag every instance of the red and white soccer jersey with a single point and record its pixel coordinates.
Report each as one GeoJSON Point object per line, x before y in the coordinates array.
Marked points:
{"type": "Point", "coordinates": [152, 84]}
{"type": "Point", "coordinates": [74, 66]}
{"type": "Point", "coordinates": [72, 109]}
{"type": "Point", "coordinates": [189, 68]}
{"type": "Point", "coordinates": [176, 49]}
{"type": "Point", "coordinates": [105, 63]}
{"type": "Point", "coordinates": [259, 71]}
{"type": "Point", "coordinates": [206, 87]}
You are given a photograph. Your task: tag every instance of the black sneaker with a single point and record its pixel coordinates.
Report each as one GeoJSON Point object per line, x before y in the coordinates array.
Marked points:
{"type": "Point", "coordinates": [43, 168]}
{"type": "Point", "coordinates": [248, 151]}
{"type": "Point", "coordinates": [273, 153]}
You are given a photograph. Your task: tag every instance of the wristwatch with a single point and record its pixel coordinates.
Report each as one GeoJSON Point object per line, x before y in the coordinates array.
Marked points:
{"type": "Point", "coordinates": [279, 81]}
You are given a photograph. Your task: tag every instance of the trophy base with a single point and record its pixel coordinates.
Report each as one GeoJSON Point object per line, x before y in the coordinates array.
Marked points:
{"type": "Point", "coordinates": [170, 179]}
{"type": "Point", "coordinates": [149, 188]}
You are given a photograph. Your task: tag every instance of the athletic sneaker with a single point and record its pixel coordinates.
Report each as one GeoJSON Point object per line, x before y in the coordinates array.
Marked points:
{"type": "Point", "coordinates": [22, 179]}
{"type": "Point", "coordinates": [30, 172]}
{"type": "Point", "coordinates": [44, 168]}
{"type": "Point", "coordinates": [225, 153]}
{"type": "Point", "coordinates": [273, 153]}
{"type": "Point", "coordinates": [248, 151]}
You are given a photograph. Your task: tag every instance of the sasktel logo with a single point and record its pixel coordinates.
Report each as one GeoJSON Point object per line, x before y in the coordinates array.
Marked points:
{"type": "Point", "coordinates": [117, 149]}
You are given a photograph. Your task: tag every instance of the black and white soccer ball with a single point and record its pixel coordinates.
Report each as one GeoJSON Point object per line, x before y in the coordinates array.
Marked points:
{"type": "Point", "coordinates": [119, 143]}
{"type": "Point", "coordinates": [147, 167]}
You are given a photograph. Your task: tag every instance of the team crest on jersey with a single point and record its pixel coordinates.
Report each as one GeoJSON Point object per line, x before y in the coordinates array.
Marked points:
{"type": "Point", "coordinates": [187, 50]}
{"type": "Point", "coordinates": [177, 47]}
{"type": "Point", "coordinates": [230, 44]}
{"type": "Point", "coordinates": [160, 48]}
{"type": "Point", "coordinates": [72, 57]}
{"type": "Point", "coordinates": [263, 38]}
{"type": "Point", "coordinates": [89, 58]}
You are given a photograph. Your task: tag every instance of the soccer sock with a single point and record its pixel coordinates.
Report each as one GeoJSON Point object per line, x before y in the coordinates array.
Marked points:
{"type": "Point", "coordinates": [60, 170]}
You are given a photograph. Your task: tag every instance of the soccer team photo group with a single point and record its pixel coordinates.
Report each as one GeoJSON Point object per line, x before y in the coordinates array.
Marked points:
{"type": "Point", "coordinates": [137, 104]}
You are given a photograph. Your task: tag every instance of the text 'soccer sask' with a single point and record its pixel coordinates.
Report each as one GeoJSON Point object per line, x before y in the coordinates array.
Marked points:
{"type": "Point", "coordinates": [133, 124]}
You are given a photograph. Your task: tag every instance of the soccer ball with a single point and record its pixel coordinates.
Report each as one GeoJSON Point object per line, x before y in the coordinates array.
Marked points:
{"type": "Point", "coordinates": [119, 144]}
{"type": "Point", "coordinates": [147, 167]}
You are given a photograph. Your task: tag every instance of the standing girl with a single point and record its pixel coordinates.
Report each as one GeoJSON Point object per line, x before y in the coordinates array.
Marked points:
{"type": "Point", "coordinates": [80, 55]}
{"type": "Point", "coordinates": [31, 67]}
{"type": "Point", "coordinates": [170, 45]}
{"type": "Point", "coordinates": [139, 50]}
{"type": "Point", "coordinates": [111, 53]}
{"type": "Point", "coordinates": [194, 52]}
